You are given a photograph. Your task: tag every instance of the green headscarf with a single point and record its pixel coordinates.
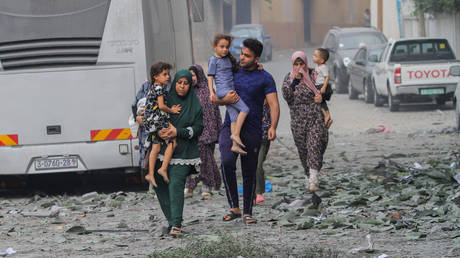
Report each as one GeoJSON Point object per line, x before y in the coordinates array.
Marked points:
{"type": "Point", "coordinates": [190, 116]}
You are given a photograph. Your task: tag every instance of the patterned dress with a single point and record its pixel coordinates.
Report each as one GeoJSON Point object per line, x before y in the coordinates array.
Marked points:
{"type": "Point", "coordinates": [266, 122]}
{"type": "Point", "coordinates": [155, 119]}
{"type": "Point", "coordinates": [307, 124]}
{"type": "Point", "coordinates": [212, 122]}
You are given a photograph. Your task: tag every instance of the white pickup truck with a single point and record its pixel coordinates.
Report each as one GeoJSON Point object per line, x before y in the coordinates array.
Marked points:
{"type": "Point", "coordinates": [414, 70]}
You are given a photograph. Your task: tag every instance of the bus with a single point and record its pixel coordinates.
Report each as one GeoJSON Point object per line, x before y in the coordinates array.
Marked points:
{"type": "Point", "coordinates": [69, 72]}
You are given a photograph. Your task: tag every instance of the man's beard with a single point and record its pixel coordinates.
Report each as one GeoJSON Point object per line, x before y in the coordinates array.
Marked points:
{"type": "Point", "coordinates": [250, 65]}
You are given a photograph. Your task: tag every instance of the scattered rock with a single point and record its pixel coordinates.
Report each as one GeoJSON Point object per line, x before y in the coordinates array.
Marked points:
{"type": "Point", "coordinates": [89, 196]}
{"type": "Point", "coordinates": [78, 230]}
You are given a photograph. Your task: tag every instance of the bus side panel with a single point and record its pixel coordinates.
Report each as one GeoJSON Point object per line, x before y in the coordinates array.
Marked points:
{"type": "Point", "coordinates": [78, 100]}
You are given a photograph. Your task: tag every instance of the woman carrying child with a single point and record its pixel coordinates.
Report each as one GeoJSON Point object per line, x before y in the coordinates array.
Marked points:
{"type": "Point", "coordinates": [186, 127]}
{"type": "Point", "coordinates": [307, 121]}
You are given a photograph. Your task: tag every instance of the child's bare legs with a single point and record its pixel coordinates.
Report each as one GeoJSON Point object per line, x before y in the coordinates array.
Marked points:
{"type": "Point", "coordinates": [327, 117]}
{"type": "Point", "coordinates": [152, 160]}
{"type": "Point", "coordinates": [236, 130]}
{"type": "Point", "coordinates": [163, 171]}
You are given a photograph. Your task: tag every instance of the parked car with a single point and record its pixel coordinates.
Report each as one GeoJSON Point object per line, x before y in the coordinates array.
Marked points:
{"type": "Point", "coordinates": [343, 43]}
{"type": "Point", "coordinates": [414, 70]}
{"type": "Point", "coordinates": [360, 72]}
{"type": "Point", "coordinates": [241, 32]}
{"type": "Point", "coordinates": [455, 71]}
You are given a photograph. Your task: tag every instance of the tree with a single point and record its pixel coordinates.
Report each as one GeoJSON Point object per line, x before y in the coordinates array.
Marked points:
{"type": "Point", "coordinates": [437, 6]}
{"type": "Point", "coordinates": [433, 7]}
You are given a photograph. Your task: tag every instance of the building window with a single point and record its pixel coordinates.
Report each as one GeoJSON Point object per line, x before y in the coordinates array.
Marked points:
{"type": "Point", "coordinates": [197, 7]}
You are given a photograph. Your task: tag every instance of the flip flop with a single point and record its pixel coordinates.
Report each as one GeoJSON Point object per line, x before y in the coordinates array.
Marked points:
{"type": "Point", "coordinates": [231, 216]}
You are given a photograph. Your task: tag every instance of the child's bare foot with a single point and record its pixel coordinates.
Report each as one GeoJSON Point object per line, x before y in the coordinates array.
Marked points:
{"type": "Point", "coordinates": [164, 174]}
{"type": "Point", "coordinates": [236, 139]}
{"type": "Point", "coordinates": [151, 179]}
{"type": "Point", "coordinates": [237, 149]}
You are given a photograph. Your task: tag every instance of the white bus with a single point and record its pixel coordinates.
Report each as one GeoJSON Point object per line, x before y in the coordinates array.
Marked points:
{"type": "Point", "coordinates": [69, 71]}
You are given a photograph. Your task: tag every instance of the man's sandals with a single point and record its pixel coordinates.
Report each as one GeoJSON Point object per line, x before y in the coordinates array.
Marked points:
{"type": "Point", "coordinates": [248, 220]}
{"type": "Point", "coordinates": [231, 216]}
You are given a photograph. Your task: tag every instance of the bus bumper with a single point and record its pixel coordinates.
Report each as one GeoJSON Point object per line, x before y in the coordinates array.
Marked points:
{"type": "Point", "coordinates": [85, 156]}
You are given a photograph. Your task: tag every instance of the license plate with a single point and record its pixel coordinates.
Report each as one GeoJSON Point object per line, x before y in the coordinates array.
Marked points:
{"type": "Point", "coordinates": [53, 163]}
{"type": "Point", "coordinates": [431, 91]}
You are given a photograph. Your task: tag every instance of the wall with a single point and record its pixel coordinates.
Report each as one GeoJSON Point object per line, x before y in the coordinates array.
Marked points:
{"type": "Point", "coordinates": [283, 20]}
{"type": "Point", "coordinates": [203, 32]}
{"type": "Point", "coordinates": [328, 13]}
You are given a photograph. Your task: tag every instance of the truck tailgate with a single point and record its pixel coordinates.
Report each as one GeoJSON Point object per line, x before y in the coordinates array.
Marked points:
{"type": "Point", "coordinates": [64, 105]}
{"type": "Point", "coordinates": [426, 74]}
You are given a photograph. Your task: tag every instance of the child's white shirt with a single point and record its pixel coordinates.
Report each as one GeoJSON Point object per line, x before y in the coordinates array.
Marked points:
{"type": "Point", "coordinates": [321, 71]}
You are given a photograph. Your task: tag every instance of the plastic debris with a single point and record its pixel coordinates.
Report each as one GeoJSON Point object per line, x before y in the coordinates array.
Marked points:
{"type": "Point", "coordinates": [383, 256]}
{"type": "Point", "coordinates": [379, 129]}
{"type": "Point", "coordinates": [368, 247]}
{"type": "Point", "coordinates": [320, 218]}
{"type": "Point", "coordinates": [457, 178]}
{"type": "Point", "coordinates": [13, 212]}
{"type": "Point", "coordinates": [417, 165]}
{"type": "Point", "coordinates": [8, 251]}
{"type": "Point", "coordinates": [268, 187]}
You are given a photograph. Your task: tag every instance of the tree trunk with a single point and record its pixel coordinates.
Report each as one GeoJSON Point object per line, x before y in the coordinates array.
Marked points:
{"type": "Point", "coordinates": [421, 24]}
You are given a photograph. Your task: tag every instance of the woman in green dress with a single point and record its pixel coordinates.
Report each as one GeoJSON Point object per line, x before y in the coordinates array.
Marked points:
{"type": "Point", "coordinates": [187, 127]}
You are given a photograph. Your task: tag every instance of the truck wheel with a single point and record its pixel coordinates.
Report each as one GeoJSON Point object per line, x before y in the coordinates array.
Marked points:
{"type": "Point", "coordinates": [339, 84]}
{"type": "Point", "coordinates": [440, 101]}
{"type": "Point", "coordinates": [378, 102]}
{"type": "Point", "coordinates": [367, 91]}
{"type": "Point", "coordinates": [392, 105]}
{"type": "Point", "coordinates": [457, 114]}
{"type": "Point", "coordinates": [352, 93]}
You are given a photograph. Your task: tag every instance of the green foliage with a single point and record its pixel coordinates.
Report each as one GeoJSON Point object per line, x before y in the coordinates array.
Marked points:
{"type": "Point", "coordinates": [224, 245]}
{"type": "Point", "coordinates": [437, 6]}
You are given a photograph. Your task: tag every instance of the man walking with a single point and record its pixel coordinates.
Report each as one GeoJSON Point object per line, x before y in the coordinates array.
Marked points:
{"type": "Point", "coordinates": [252, 86]}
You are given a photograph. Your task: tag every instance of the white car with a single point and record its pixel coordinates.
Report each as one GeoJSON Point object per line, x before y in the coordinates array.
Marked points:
{"type": "Point", "coordinates": [455, 71]}
{"type": "Point", "coordinates": [414, 70]}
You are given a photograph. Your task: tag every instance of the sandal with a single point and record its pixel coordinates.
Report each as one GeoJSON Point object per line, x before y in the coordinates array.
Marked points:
{"type": "Point", "coordinates": [248, 219]}
{"type": "Point", "coordinates": [188, 193]}
{"type": "Point", "coordinates": [206, 195]}
{"type": "Point", "coordinates": [175, 231]}
{"type": "Point", "coordinates": [259, 199]}
{"type": "Point", "coordinates": [231, 216]}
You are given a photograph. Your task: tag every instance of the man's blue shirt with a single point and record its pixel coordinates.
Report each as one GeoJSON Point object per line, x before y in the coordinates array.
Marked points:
{"type": "Point", "coordinates": [252, 87]}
